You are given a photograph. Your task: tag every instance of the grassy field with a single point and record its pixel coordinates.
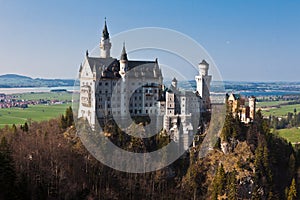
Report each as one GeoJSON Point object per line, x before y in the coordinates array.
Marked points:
{"type": "Point", "coordinates": [61, 96]}
{"type": "Point", "coordinates": [292, 135]}
{"type": "Point", "coordinates": [282, 111]}
{"type": "Point", "coordinates": [40, 112]}
{"type": "Point", "coordinates": [270, 103]}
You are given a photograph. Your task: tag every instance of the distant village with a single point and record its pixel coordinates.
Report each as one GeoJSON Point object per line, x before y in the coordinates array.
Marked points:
{"type": "Point", "coordinates": [14, 101]}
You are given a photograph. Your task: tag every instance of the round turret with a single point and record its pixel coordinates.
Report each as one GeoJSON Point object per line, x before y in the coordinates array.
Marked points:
{"type": "Point", "coordinates": [174, 83]}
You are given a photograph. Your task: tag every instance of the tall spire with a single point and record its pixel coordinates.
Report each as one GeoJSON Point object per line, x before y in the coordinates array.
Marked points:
{"type": "Point", "coordinates": [123, 54]}
{"type": "Point", "coordinates": [105, 44]}
{"type": "Point", "coordinates": [105, 33]}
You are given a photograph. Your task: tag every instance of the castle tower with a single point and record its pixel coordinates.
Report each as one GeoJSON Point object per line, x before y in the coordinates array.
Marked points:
{"type": "Point", "coordinates": [123, 61]}
{"type": "Point", "coordinates": [174, 83]}
{"type": "Point", "coordinates": [105, 44]}
{"type": "Point", "coordinates": [203, 83]}
{"type": "Point", "coordinates": [252, 106]}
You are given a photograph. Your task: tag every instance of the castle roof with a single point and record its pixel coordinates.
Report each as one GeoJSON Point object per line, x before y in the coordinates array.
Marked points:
{"type": "Point", "coordinates": [234, 96]}
{"type": "Point", "coordinates": [204, 62]}
{"type": "Point", "coordinates": [123, 54]}
{"type": "Point", "coordinates": [105, 33]}
{"type": "Point", "coordinates": [109, 68]}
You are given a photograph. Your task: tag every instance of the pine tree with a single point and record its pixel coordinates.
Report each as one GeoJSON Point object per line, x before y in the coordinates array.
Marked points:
{"type": "Point", "coordinates": [292, 195]}
{"type": "Point", "coordinates": [63, 122]}
{"type": "Point", "coordinates": [219, 182]}
{"type": "Point", "coordinates": [14, 128]}
{"type": "Point", "coordinates": [7, 171]}
{"type": "Point", "coordinates": [25, 127]}
{"type": "Point", "coordinates": [69, 116]}
{"type": "Point", "coordinates": [232, 190]}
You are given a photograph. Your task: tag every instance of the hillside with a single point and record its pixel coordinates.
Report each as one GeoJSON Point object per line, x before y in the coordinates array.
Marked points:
{"type": "Point", "coordinates": [15, 80]}
{"type": "Point", "coordinates": [48, 161]}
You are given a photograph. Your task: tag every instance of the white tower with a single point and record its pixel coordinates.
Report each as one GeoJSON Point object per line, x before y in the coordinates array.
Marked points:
{"type": "Point", "coordinates": [105, 44]}
{"type": "Point", "coordinates": [252, 106]}
{"type": "Point", "coordinates": [203, 83]}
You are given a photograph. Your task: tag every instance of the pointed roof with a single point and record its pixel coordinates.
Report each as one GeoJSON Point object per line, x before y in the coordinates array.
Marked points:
{"type": "Point", "coordinates": [80, 68]}
{"type": "Point", "coordinates": [204, 62]}
{"type": "Point", "coordinates": [105, 33]}
{"type": "Point", "coordinates": [174, 80]}
{"type": "Point", "coordinates": [123, 54]}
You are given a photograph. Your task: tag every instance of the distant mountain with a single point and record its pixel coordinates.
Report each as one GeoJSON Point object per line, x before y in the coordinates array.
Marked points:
{"type": "Point", "coordinates": [14, 76]}
{"type": "Point", "coordinates": [15, 80]}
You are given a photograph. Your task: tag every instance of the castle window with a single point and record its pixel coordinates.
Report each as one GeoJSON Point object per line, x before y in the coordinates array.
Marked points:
{"type": "Point", "coordinates": [100, 83]}
{"type": "Point", "coordinates": [150, 104]}
{"type": "Point", "coordinates": [146, 111]}
{"type": "Point", "coordinates": [108, 105]}
{"type": "Point", "coordinates": [100, 91]}
{"type": "Point", "coordinates": [106, 92]}
{"type": "Point", "coordinates": [140, 98]}
{"type": "Point", "coordinates": [106, 83]}
{"type": "Point", "coordinates": [146, 105]}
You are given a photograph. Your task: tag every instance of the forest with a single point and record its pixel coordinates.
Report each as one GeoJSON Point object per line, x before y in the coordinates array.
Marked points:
{"type": "Point", "coordinates": [47, 160]}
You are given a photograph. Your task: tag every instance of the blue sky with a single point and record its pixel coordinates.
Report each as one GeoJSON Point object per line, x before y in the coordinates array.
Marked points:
{"type": "Point", "coordinates": [248, 40]}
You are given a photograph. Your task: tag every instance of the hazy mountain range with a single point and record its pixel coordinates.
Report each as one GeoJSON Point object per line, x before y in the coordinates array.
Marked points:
{"type": "Point", "coordinates": [246, 88]}
{"type": "Point", "coordinates": [15, 80]}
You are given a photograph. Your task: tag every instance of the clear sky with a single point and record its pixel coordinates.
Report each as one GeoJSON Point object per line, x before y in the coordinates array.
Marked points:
{"type": "Point", "coordinates": [248, 40]}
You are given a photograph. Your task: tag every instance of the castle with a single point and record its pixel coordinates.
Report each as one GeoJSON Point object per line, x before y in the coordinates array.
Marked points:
{"type": "Point", "coordinates": [119, 89]}
{"type": "Point", "coordinates": [244, 108]}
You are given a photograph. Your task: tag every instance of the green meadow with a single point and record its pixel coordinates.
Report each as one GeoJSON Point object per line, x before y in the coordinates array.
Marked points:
{"type": "Point", "coordinates": [292, 134]}
{"type": "Point", "coordinates": [281, 111]}
{"type": "Point", "coordinates": [62, 96]}
{"type": "Point", "coordinates": [270, 103]}
{"type": "Point", "coordinates": [40, 112]}
{"type": "Point", "coordinates": [9, 116]}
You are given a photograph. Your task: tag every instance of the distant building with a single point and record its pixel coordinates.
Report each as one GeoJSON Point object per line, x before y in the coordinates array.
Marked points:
{"type": "Point", "coordinates": [244, 107]}
{"type": "Point", "coordinates": [2, 96]}
{"type": "Point", "coordinates": [112, 88]}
